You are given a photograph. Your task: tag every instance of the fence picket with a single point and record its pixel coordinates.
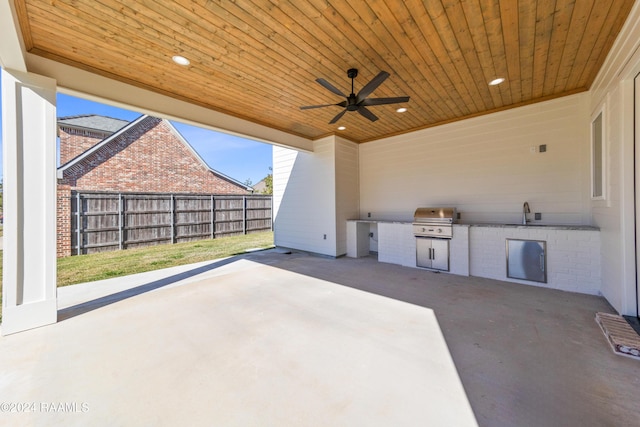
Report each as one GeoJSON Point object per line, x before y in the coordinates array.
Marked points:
{"type": "Point", "coordinates": [126, 220]}
{"type": "Point", "coordinates": [120, 221]}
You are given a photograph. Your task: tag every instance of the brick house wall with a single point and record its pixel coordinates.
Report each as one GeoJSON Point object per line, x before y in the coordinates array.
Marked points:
{"type": "Point", "coordinates": [74, 142]}
{"type": "Point", "coordinates": [63, 221]}
{"type": "Point", "coordinates": [148, 157]}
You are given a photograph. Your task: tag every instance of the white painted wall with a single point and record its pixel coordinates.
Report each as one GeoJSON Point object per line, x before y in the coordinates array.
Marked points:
{"type": "Point", "coordinates": [484, 167]}
{"type": "Point", "coordinates": [347, 189]}
{"type": "Point", "coordinates": [613, 91]}
{"type": "Point", "coordinates": [304, 198]}
{"type": "Point", "coordinates": [314, 194]}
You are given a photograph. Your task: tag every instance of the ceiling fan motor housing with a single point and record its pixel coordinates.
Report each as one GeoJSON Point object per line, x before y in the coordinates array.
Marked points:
{"type": "Point", "coordinates": [352, 103]}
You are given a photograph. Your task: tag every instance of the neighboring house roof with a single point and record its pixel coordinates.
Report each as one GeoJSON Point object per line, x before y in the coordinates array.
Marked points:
{"type": "Point", "coordinates": [93, 122]}
{"type": "Point", "coordinates": [260, 186]}
{"type": "Point", "coordinates": [128, 126]}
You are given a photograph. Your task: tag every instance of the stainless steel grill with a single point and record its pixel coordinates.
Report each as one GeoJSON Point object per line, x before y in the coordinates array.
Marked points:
{"type": "Point", "coordinates": [434, 222]}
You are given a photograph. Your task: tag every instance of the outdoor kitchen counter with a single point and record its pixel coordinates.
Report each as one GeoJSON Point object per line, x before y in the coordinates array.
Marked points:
{"type": "Point", "coordinates": [395, 243]}
{"type": "Point", "coordinates": [376, 221]}
{"type": "Point", "coordinates": [572, 254]}
{"type": "Point", "coordinates": [499, 225]}
{"type": "Point", "coordinates": [363, 237]}
{"type": "Point", "coordinates": [537, 226]}
{"type": "Point", "coordinates": [479, 249]}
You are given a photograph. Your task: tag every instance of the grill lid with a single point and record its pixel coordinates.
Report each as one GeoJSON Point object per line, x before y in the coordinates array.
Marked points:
{"type": "Point", "coordinates": [435, 215]}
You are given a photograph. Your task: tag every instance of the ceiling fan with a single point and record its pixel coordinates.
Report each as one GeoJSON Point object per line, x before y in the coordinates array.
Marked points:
{"type": "Point", "coordinates": [358, 102]}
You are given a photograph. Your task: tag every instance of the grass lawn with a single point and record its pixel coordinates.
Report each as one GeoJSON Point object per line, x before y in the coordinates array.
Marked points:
{"type": "Point", "coordinates": [105, 265]}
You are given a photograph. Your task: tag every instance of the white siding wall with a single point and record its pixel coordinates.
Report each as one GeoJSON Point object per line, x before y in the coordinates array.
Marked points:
{"type": "Point", "coordinates": [347, 190]}
{"type": "Point", "coordinates": [314, 195]}
{"type": "Point", "coordinates": [304, 198]}
{"type": "Point", "coordinates": [484, 166]}
{"type": "Point", "coordinates": [613, 91]}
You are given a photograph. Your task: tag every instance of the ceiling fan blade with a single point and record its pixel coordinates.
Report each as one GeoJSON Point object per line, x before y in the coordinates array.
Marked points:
{"type": "Point", "coordinates": [309, 107]}
{"type": "Point", "coordinates": [372, 85]}
{"type": "Point", "coordinates": [382, 101]}
{"type": "Point", "coordinates": [336, 118]}
{"type": "Point", "coordinates": [368, 114]}
{"type": "Point", "coordinates": [331, 87]}
{"type": "Point", "coordinates": [339, 104]}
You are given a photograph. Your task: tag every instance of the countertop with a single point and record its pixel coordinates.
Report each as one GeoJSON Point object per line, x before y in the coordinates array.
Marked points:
{"type": "Point", "coordinates": [531, 225]}
{"type": "Point", "coordinates": [380, 221]}
{"type": "Point", "coordinates": [540, 226]}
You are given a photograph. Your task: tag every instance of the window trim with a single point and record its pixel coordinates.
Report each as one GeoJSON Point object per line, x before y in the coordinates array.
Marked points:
{"type": "Point", "coordinates": [600, 113]}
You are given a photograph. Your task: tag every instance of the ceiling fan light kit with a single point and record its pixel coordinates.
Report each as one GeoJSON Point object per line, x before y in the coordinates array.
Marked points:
{"type": "Point", "coordinates": [358, 102]}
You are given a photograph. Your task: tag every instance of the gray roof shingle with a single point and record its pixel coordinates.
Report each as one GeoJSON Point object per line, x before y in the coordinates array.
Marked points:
{"type": "Point", "coordinates": [95, 122]}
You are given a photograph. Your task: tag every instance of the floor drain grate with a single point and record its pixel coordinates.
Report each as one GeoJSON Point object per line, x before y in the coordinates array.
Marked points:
{"type": "Point", "coordinates": [624, 340]}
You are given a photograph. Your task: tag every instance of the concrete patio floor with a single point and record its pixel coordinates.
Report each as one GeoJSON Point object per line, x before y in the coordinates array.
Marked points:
{"type": "Point", "coordinates": [274, 339]}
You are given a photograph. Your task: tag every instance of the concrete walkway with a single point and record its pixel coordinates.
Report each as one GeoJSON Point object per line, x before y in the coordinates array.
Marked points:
{"type": "Point", "coordinates": [271, 339]}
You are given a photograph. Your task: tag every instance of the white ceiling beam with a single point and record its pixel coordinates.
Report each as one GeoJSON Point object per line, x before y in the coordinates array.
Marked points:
{"type": "Point", "coordinates": [81, 83]}
{"type": "Point", "coordinates": [12, 51]}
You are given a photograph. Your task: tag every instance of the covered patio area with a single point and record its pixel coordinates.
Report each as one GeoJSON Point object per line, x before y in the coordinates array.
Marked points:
{"type": "Point", "coordinates": [291, 339]}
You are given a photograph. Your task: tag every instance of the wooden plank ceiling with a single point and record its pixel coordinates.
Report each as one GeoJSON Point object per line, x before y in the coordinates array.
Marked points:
{"type": "Point", "coordinates": [259, 59]}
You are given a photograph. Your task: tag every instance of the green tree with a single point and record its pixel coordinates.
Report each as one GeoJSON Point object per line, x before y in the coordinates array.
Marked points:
{"type": "Point", "coordinates": [268, 181]}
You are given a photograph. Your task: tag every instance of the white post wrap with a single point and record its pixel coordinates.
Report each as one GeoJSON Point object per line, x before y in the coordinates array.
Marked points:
{"type": "Point", "coordinates": [29, 165]}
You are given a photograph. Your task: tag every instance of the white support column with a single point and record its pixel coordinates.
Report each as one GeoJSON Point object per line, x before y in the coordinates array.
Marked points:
{"type": "Point", "coordinates": [29, 160]}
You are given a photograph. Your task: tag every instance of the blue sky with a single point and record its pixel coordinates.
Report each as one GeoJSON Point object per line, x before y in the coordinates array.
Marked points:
{"type": "Point", "coordinates": [238, 158]}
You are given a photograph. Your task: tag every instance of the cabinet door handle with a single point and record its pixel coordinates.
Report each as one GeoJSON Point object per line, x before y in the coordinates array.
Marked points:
{"type": "Point", "coordinates": [542, 261]}
{"type": "Point", "coordinates": [433, 253]}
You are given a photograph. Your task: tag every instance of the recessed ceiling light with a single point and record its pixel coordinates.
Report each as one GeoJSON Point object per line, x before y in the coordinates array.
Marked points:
{"type": "Point", "coordinates": [497, 81]}
{"type": "Point", "coordinates": [341, 128]}
{"type": "Point", "coordinates": [181, 60]}
{"type": "Point", "coordinates": [401, 110]}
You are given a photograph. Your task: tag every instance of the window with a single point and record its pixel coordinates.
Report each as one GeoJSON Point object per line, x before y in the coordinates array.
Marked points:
{"type": "Point", "coordinates": [597, 157]}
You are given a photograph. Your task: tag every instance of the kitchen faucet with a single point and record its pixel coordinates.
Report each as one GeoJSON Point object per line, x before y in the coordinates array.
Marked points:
{"type": "Point", "coordinates": [525, 211]}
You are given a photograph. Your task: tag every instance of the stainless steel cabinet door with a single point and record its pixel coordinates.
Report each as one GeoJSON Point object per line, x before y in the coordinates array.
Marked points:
{"type": "Point", "coordinates": [432, 253]}
{"type": "Point", "coordinates": [526, 260]}
{"type": "Point", "coordinates": [423, 252]}
{"type": "Point", "coordinates": [440, 254]}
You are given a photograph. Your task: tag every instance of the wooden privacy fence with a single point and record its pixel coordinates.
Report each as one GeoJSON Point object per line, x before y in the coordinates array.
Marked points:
{"type": "Point", "coordinates": [103, 221]}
